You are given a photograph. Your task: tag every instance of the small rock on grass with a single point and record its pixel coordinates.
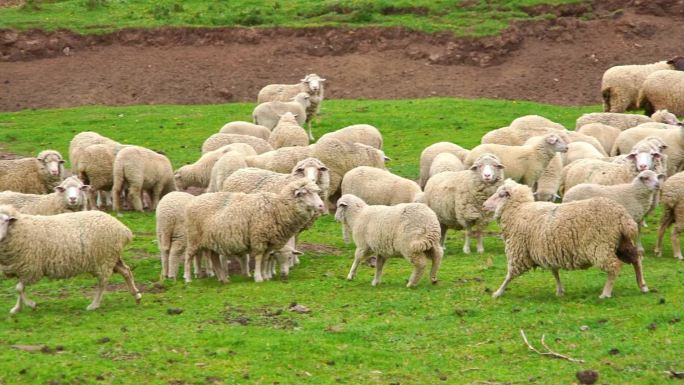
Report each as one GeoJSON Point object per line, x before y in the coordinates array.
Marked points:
{"type": "Point", "coordinates": [587, 377]}
{"type": "Point", "coordinates": [174, 311]}
{"type": "Point", "coordinates": [297, 308]}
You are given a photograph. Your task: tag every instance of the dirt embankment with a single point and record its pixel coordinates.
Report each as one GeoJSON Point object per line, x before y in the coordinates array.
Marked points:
{"type": "Point", "coordinates": [556, 61]}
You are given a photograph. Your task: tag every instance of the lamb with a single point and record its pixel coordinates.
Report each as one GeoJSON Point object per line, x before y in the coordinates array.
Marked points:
{"type": "Point", "coordinates": [246, 128]}
{"type": "Point", "coordinates": [663, 90]}
{"type": "Point", "coordinates": [39, 175]}
{"type": "Point", "coordinates": [445, 161]}
{"type": "Point", "coordinates": [580, 150]}
{"type": "Point", "coordinates": [235, 224]}
{"type": "Point", "coordinates": [96, 168]}
{"type": "Point", "coordinates": [428, 156]}
{"type": "Point", "coordinates": [227, 164]}
{"type": "Point", "coordinates": [624, 121]}
{"type": "Point", "coordinates": [82, 242]}
{"type": "Point", "coordinates": [672, 137]}
{"type": "Point", "coordinates": [534, 121]}
{"type": "Point", "coordinates": [605, 134]}
{"type": "Point", "coordinates": [523, 163]}
{"type": "Point", "coordinates": [379, 187]}
{"type": "Point", "coordinates": [358, 133]}
{"type": "Point", "coordinates": [217, 141]}
{"type": "Point", "coordinates": [83, 140]}
{"type": "Point", "coordinates": [549, 181]}
{"type": "Point", "coordinates": [409, 230]}
{"type": "Point", "coordinates": [138, 168]}
{"type": "Point", "coordinates": [287, 133]}
{"type": "Point", "coordinates": [457, 197]}
{"type": "Point", "coordinates": [620, 84]}
{"type": "Point", "coordinates": [170, 215]}
{"type": "Point", "coordinates": [281, 160]}
{"type": "Point", "coordinates": [267, 114]}
{"type": "Point", "coordinates": [68, 196]}
{"type": "Point", "coordinates": [672, 198]}
{"type": "Point", "coordinates": [198, 174]}
{"type": "Point", "coordinates": [312, 84]}
{"type": "Point", "coordinates": [577, 235]}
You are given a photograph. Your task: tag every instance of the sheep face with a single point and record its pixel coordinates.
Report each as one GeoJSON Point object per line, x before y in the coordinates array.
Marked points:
{"type": "Point", "coordinates": [665, 116]}
{"type": "Point", "coordinates": [178, 178]}
{"type": "Point", "coordinates": [677, 63]}
{"type": "Point", "coordinates": [307, 195]}
{"type": "Point", "coordinates": [311, 169]}
{"type": "Point", "coordinates": [644, 160]}
{"type": "Point", "coordinates": [497, 201]}
{"type": "Point", "coordinates": [651, 180]}
{"type": "Point", "coordinates": [556, 143]}
{"type": "Point", "coordinates": [6, 220]}
{"type": "Point", "coordinates": [313, 81]}
{"type": "Point", "coordinates": [52, 163]}
{"type": "Point", "coordinates": [488, 168]}
{"type": "Point", "coordinates": [73, 191]}
{"type": "Point", "coordinates": [304, 99]}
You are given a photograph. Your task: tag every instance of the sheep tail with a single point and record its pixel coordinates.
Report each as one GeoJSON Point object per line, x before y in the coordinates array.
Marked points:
{"type": "Point", "coordinates": [643, 102]}
{"type": "Point", "coordinates": [606, 99]}
{"type": "Point", "coordinates": [421, 245]}
{"type": "Point", "coordinates": [437, 254]}
{"type": "Point", "coordinates": [626, 249]}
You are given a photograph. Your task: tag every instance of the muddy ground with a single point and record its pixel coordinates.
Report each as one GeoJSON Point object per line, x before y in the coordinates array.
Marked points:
{"type": "Point", "coordinates": [556, 61]}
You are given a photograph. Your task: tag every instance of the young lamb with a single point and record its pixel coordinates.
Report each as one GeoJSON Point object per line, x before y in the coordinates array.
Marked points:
{"type": "Point", "coordinates": [68, 196]}
{"type": "Point", "coordinates": [672, 198]}
{"type": "Point", "coordinates": [236, 224]}
{"type": "Point", "coordinates": [39, 175]}
{"type": "Point", "coordinates": [620, 84]}
{"type": "Point", "coordinates": [523, 163]}
{"type": "Point", "coordinates": [246, 128]}
{"type": "Point", "coordinates": [267, 114]}
{"type": "Point", "coordinates": [312, 84]}
{"type": "Point", "coordinates": [287, 133]}
{"type": "Point", "coordinates": [443, 162]}
{"type": "Point", "coordinates": [379, 187]}
{"type": "Point", "coordinates": [577, 235]}
{"type": "Point", "coordinates": [216, 141]}
{"type": "Point", "coordinates": [81, 242]}
{"type": "Point", "coordinates": [457, 198]}
{"type": "Point", "coordinates": [430, 153]}
{"type": "Point", "coordinates": [358, 133]}
{"type": "Point", "coordinates": [408, 230]}
{"type": "Point", "coordinates": [139, 169]}
{"type": "Point", "coordinates": [170, 215]}
{"type": "Point", "coordinates": [663, 90]}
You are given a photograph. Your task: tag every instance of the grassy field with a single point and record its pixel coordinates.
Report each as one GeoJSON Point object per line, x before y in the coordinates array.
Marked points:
{"type": "Point", "coordinates": [464, 18]}
{"type": "Point", "coordinates": [243, 333]}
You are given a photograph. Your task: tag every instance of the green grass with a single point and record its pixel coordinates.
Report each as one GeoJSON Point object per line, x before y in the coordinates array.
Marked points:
{"type": "Point", "coordinates": [464, 18]}
{"type": "Point", "coordinates": [241, 332]}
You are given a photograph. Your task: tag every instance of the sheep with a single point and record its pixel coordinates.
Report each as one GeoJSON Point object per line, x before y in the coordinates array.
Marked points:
{"type": "Point", "coordinates": [457, 197]}
{"type": "Point", "coordinates": [198, 174]}
{"type": "Point", "coordinates": [246, 128]}
{"type": "Point", "coordinates": [39, 175]}
{"type": "Point", "coordinates": [672, 137]}
{"type": "Point", "coordinates": [280, 160]}
{"type": "Point", "coordinates": [68, 196]}
{"type": "Point", "coordinates": [312, 84]}
{"type": "Point", "coordinates": [267, 114]}
{"type": "Point", "coordinates": [636, 196]}
{"type": "Point", "coordinates": [235, 224]}
{"type": "Point", "coordinates": [534, 121]}
{"type": "Point", "coordinates": [216, 141]}
{"type": "Point", "coordinates": [287, 133]}
{"type": "Point", "coordinates": [427, 156]}
{"type": "Point", "coordinates": [672, 198]}
{"type": "Point", "coordinates": [409, 230]}
{"type": "Point", "coordinates": [378, 187]}
{"type": "Point", "coordinates": [445, 161]}
{"type": "Point", "coordinates": [225, 166]}
{"type": "Point", "coordinates": [605, 134]}
{"type": "Point", "coordinates": [358, 133]}
{"type": "Point", "coordinates": [83, 140]}
{"type": "Point", "coordinates": [620, 84]}
{"type": "Point", "coordinates": [96, 168]}
{"type": "Point", "coordinates": [624, 121]}
{"type": "Point", "coordinates": [518, 136]}
{"type": "Point", "coordinates": [577, 235]}
{"type": "Point", "coordinates": [580, 150]}
{"type": "Point", "coordinates": [663, 89]}
{"type": "Point", "coordinates": [75, 243]}
{"type": "Point", "coordinates": [140, 169]}
{"type": "Point", "coordinates": [170, 215]}
{"type": "Point", "coordinates": [523, 163]}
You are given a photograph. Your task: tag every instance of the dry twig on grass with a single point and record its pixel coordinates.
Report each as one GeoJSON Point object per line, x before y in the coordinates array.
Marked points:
{"type": "Point", "coordinates": [549, 352]}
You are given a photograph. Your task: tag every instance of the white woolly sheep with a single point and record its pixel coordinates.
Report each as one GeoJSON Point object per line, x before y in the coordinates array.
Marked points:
{"type": "Point", "coordinates": [246, 128]}
{"type": "Point", "coordinates": [430, 152]}
{"type": "Point", "coordinates": [534, 121]}
{"type": "Point", "coordinates": [236, 224]}
{"type": "Point", "coordinates": [217, 141]}
{"type": "Point", "coordinates": [663, 90]}
{"type": "Point", "coordinates": [68, 196]}
{"type": "Point", "coordinates": [672, 137]}
{"type": "Point", "coordinates": [170, 215]}
{"type": "Point", "coordinates": [267, 114]}
{"type": "Point", "coordinates": [577, 235]}
{"type": "Point", "coordinates": [457, 198]}
{"type": "Point", "coordinates": [624, 121]}
{"type": "Point", "coordinates": [83, 140]}
{"type": "Point", "coordinates": [281, 160]}
{"type": "Point", "coordinates": [139, 169]}
{"type": "Point", "coordinates": [227, 164]}
{"type": "Point", "coordinates": [287, 133]}
{"type": "Point", "coordinates": [39, 175]}
{"type": "Point", "coordinates": [621, 84]}
{"type": "Point", "coordinates": [408, 230]}
{"type": "Point", "coordinates": [672, 198]}
{"type": "Point", "coordinates": [82, 242]}
{"type": "Point", "coordinates": [580, 150]}
{"type": "Point", "coordinates": [549, 181]}
{"type": "Point", "coordinates": [445, 161]}
{"type": "Point", "coordinates": [358, 133]}
{"type": "Point", "coordinates": [96, 168]}
{"type": "Point", "coordinates": [605, 134]}
{"type": "Point", "coordinates": [378, 187]}
{"type": "Point", "coordinates": [523, 163]}
{"type": "Point", "coordinates": [198, 174]}
{"type": "Point", "coordinates": [518, 136]}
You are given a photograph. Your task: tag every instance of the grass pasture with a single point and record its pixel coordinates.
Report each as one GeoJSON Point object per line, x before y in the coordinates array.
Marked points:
{"type": "Point", "coordinates": [243, 333]}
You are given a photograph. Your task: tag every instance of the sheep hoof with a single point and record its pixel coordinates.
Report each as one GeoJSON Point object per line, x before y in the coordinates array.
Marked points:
{"type": "Point", "coordinates": [138, 297]}
{"type": "Point", "coordinates": [30, 304]}
{"type": "Point", "coordinates": [644, 289]}
{"type": "Point", "coordinates": [434, 281]}
{"type": "Point", "coordinates": [258, 279]}
{"type": "Point", "coordinates": [15, 310]}
{"type": "Point", "coordinates": [603, 296]}
{"type": "Point", "coordinates": [679, 257]}
{"type": "Point", "coordinates": [284, 278]}
{"type": "Point", "coordinates": [480, 251]}
{"type": "Point", "coordinates": [350, 277]}
{"type": "Point", "coordinates": [657, 253]}
{"type": "Point", "coordinates": [92, 306]}
{"type": "Point", "coordinates": [497, 294]}
{"type": "Point", "coordinates": [466, 251]}
{"type": "Point", "coordinates": [560, 293]}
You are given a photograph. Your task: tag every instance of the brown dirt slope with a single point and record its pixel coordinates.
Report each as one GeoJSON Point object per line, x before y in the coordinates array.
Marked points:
{"type": "Point", "coordinates": [556, 61]}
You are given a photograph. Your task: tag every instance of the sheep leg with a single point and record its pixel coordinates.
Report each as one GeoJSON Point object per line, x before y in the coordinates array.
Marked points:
{"type": "Point", "coordinates": [156, 194]}
{"type": "Point", "coordinates": [311, 137]}
{"type": "Point", "coordinates": [116, 197]}
{"type": "Point", "coordinates": [164, 252]}
{"type": "Point", "coordinates": [466, 242]}
{"type": "Point", "coordinates": [243, 260]}
{"type": "Point", "coordinates": [379, 265]}
{"type": "Point", "coordinates": [640, 247]}
{"type": "Point", "coordinates": [284, 262]}
{"type": "Point", "coordinates": [22, 298]}
{"type": "Point", "coordinates": [258, 260]}
{"type": "Point", "coordinates": [134, 195]}
{"type": "Point", "coordinates": [443, 234]}
{"type": "Point", "coordinates": [676, 246]}
{"type": "Point", "coordinates": [217, 268]}
{"type": "Point", "coordinates": [559, 285]}
{"type": "Point", "coordinates": [437, 254]}
{"type": "Point", "coordinates": [359, 256]}
{"type": "Point", "coordinates": [126, 273]}
{"type": "Point", "coordinates": [190, 257]}
{"type": "Point", "coordinates": [173, 259]}
{"type": "Point", "coordinates": [419, 263]}
{"type": "Point", "coordinates": [608, 288]}
{"type": "Point", "coordinates": [480, 245]}
{"type": "Point", "coordinates": [639, 273]}
{"type": "Point", "coordinates": [509, 277]}
{"type": "Point", "coordinates": [99, 290]}
{"type": "Point", "coordinates": [665, 222]}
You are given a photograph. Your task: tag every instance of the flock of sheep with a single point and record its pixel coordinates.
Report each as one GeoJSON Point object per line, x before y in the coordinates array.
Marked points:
{"type": "Point", "coordinates": [265, 183]}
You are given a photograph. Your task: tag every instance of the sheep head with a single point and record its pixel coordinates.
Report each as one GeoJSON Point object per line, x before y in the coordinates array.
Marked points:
{"type": "Point", "coordinates": [52, 162]}
{"type": "Point", "coordinates": [305, 193]}
{"type": "Point", "coordinates": [650, 179]}
{"type": "Point", "coordinates": [73, 191]}
{"type": "Point", "coordinates": [313, 82]}
{"type": "Point", "coordinates": [677, 63]}
{"type": "Point", "coordinates": [556, 143]}
{"type": "Point", "coordinates": [507, 191]}
{"type": "Point", "coordinates": [665, 116]}
{"type": "Point", "coordinates": [489, 168]}
{"type": "Point", "coordinates": [645, 153]}
{"type": "Point", "coordinates": [303, 98]}
{"type": "Point", "coordinates": [347, 205]}
{"type": "Point", "coordinates": [8, 215]}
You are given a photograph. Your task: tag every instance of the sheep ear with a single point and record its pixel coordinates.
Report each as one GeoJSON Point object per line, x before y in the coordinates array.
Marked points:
{"type": "Point", "coordinates": [306, 80]}
{"type": "Point", "coordinates": [386, 158]}
{"type": "Point", "coordinates": [473, 167]}
{"type": "Point", "coordinates": [11, 220]}
{"type": "Point", "coordinates": [341, 204]}
{"type": "Point", "coordinates": [300, 192]}
{"type": "Point", "coordinates": [661, 177]}
{"type": "Point", "coordinates": [321, 80]}
{"type": "Point", "coordinates": [85, 187]}
{"type": "Point", "coordinates": [60, 189]}
{"type": "Point", "coordinates": [552, 139]}
{"type": "Point", "coordinates": [631, 156]}
{"type": "Point", "coordinates": [500, 166]}
{"type": "Point", "coordinates": [61, 161]}
{"type": "Point", "coordinates": [297, 252]}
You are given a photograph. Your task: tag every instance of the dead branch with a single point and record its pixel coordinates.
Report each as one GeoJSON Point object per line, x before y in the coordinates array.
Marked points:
{"type": "Point", "coordinates": [549, 352]}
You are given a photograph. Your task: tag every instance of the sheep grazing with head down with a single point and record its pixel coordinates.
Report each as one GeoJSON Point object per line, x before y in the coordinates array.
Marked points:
{"type": "Point", "coordinates": [170, 215]}
{"type": "Point", "coordinates": [83, 242]}
{"type": "Point", "coordinates": [68, 196]}
{"type": "Point", "coordinates": [358, 133]}
{"type": "Point", "coordinates": [39, 175]}
{"type": "Point", "coordinates": [379, 187]}
{"type": "Point", "coordinates": [457, 197]}
{"type": "Point", "coordinates": [577, 235]}
{"type": "Point", "coordinates": [96, 168]}
{"type": "Point", "coordinates": [139, 169]}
